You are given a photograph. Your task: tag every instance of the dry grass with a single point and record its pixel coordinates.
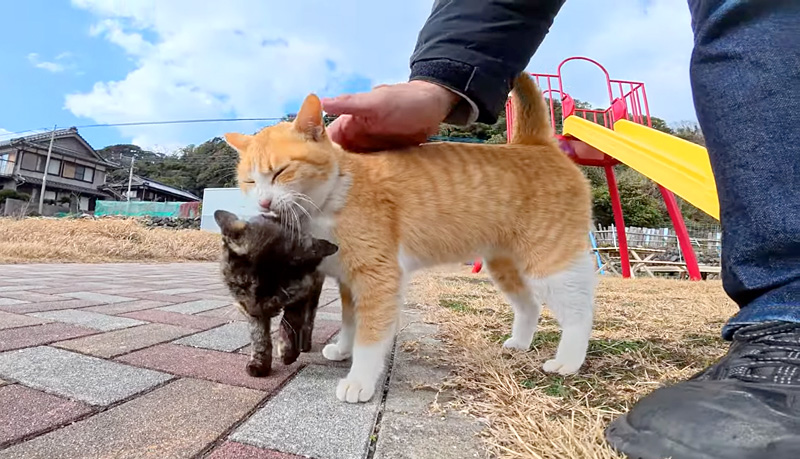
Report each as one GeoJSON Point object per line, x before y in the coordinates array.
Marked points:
{"type": "Point", "coordinates": [648, 332]}
{"type": "Point", "coordinates": [35, 240]}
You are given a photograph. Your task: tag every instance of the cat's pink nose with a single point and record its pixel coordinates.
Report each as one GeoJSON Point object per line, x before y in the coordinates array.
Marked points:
{"type": "Point", "coordinates": [265, 203]}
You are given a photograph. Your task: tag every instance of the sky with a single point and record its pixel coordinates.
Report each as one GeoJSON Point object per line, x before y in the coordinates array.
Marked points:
{"type": "Point", "coordinates": [85, 62]}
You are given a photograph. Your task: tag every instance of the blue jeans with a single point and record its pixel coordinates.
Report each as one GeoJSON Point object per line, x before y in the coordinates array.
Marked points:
{"type": "Point", "coordinates": [745, 74]}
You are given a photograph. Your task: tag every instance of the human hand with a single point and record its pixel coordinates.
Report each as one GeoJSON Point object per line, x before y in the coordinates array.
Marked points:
{"type": "Point", "coordinates": [389, 116]}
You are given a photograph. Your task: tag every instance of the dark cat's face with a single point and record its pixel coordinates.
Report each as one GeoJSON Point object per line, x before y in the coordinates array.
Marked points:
{"type": "Point", "coordinates": [266, 267]}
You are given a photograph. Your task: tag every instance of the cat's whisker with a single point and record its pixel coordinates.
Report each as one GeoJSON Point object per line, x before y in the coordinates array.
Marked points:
{"type": "Point", "coordinates": [305, 198]}
{"type": "Point", "coordinates": [289, 325]}
{"type": "Point", "coordinates": [303, 209]}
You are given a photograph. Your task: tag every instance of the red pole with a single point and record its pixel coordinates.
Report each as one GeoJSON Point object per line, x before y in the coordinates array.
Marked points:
{"type": "Point", "coordinates": [619, 220]}
{"type": "Point", "coordinates": [683, 234]}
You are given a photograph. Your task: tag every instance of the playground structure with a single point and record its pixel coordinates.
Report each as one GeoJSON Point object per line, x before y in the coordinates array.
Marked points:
{"type": "Point", "coordinates": [623, 134]}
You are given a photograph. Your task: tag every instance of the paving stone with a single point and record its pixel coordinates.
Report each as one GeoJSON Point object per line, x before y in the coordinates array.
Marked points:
{"type": "Point", "coordinates": [128, 306]}
{"type": "Point", "coordinates": [405, 436]}
{"type": "Point", "coordinates": [171, 299]}
{"type": "Point", "coordinates": [228, 337]}
{"type": "Point", "coordinates": [193, 307]}
{"type": "Point", "coordinates": [11, 301]}
{"type": "Point", "coordinates": [127, 290]}
{"type": "Point", "coordinates": [328, 296]}
{"type": "Point", "coordinates": [32, 297]}
{"type": "Point", "coordinates": [175, 421]}
{"type": "Point", "coordinates": [9, 320]}
{"type": "Point", "coordinates": [102, 322]}
{"type": "Point", "coordinates": [48, 306]}
{"type": "Point", "coordinates": [408, 428]}
{"type": "Point", "coordinates": [223, 367]}
{"type": "Point", "coordinates": [234, 450]}
{"type": "Point", "coordinates": [324, 330]}
{"type": "Point", "coordinates": [120, 342]}
{"type": "Point", "coordinates": [71, 287]}
{"type": "Point", "coordinates": [321, 426]}
{"type": "Point", "coordinates": [98, 297]}
{"type": "Point", "coordinates": [18, 287]}
{"type": "Point", "coordinates": [79, 377]}
{"type": "Point", "coordinates": [332, 316]}
{"type": "Point", "coordinates": [16, 338]}
{"type": "Point", "coordinates": [315, 357]}
{"type": "Point", "coordinates": [177, 291]}
{"type": "Point", "coordinates": [28, 411]}
{"type": "Point", "coordinates": [173, 318]}
{"type": "Point", "coordinates": [227, 312]}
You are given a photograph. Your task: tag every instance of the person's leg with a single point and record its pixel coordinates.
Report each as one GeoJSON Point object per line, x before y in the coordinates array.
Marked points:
{"type": "Point", "coordinates": [746, 83]}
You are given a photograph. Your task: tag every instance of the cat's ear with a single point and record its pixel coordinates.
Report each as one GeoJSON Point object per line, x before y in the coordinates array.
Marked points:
{"type": "Point", "coordinates": [238, 141]}
{"type": "Point", "coordinates": [309, 119]}
{"type": "Point", "coordinates": [228, 223]}
{"type": "Point", "coordinates": [322, 248]}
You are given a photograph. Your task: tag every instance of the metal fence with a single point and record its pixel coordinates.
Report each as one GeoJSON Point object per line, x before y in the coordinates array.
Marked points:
{"type": "Point", "coordinates": [147, 208]}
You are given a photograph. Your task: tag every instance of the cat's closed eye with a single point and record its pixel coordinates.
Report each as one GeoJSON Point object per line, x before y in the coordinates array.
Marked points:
{"type": "Point", "coordinates": [279, 172]}
{"type": "Point", "coordinates": [248, 182]}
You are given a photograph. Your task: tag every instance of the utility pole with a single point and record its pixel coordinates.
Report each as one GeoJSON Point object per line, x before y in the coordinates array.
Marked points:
{"type": "Point", "coordinates": [46, 166]}
{"type": "Point", "coordinates": [130, 179]}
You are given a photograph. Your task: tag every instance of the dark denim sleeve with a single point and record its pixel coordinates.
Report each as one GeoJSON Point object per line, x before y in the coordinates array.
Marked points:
{"type": "Point", "coordinates": [477, 47]}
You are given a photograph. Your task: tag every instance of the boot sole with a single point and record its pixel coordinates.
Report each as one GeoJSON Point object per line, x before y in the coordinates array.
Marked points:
{"type": "Point", "coordinates": [639, 444]}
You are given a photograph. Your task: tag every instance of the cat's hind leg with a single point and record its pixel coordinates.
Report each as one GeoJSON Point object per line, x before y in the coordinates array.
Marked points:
{"type": "Point", "coordinates": [514, 284]}
{"type": "Point", "coordinates": [570, 295]}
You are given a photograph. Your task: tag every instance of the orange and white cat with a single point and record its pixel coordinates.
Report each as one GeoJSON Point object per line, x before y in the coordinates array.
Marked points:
{"type": "Point", "coordinates": [524, 207]}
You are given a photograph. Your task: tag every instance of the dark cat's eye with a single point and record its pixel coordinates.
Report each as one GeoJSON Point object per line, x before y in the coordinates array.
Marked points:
{"type": "Point", "coordinates": [278, 172]}
{"type": "Point", "coordinates": [248, 182]}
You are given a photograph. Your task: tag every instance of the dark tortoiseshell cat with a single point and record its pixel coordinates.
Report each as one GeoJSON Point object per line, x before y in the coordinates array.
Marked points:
{"type": "Point", "coordinates": [268, 270]}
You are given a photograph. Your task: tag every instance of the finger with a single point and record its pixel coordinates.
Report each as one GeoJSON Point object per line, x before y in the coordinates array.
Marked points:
{"type": "Point", "coordinates": [362, 104]}
{"type": "Point", "coordinates": [337, 127]}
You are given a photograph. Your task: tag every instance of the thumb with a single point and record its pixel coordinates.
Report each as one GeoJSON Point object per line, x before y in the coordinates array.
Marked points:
{"type": "Point", "coordinates": [363, 104]}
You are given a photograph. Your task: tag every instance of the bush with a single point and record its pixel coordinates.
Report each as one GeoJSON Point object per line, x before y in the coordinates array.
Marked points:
{"type": "Point", "coordinates": [65, 200]}
{"type": "Point", "coordinates": [13, 194]}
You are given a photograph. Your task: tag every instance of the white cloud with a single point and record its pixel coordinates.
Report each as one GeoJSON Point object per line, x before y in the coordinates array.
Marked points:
{"type": "Point", "coordinates": [63, 61]}
{"type": "Point", "coordinates": [52, 67]}
{"type": "Point", "coordinates": [249, 58]}
{"type": "Point", "coordinates": [244, 58]}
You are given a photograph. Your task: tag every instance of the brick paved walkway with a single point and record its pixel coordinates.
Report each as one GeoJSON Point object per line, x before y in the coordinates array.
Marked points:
{"type": "Point", "coordinates": [132, 360]}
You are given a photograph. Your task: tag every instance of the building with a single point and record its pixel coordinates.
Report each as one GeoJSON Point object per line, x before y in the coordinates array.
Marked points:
{"type": "Point", "coordinates": [75, 173]}
{"type": "Point", "coordinates": [145, 189]}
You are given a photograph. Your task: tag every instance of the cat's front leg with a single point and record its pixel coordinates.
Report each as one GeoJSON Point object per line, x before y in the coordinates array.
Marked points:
{"type": "Point", "coordinates": [377, 308]}
{"type": "Point", "coordinates": [310, 313]}
{"type": "Point", "coordinates": [343, 347]}
{"type": "Point", "coordinates": [260, 362]}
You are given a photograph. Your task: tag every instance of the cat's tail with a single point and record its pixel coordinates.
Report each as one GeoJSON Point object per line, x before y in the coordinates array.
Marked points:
{"type": "Point", "coordinates": [531, 122]}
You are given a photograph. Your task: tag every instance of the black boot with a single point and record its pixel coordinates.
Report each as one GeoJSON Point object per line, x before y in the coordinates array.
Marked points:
{"type": "Point", "coordinates": [747, 405]}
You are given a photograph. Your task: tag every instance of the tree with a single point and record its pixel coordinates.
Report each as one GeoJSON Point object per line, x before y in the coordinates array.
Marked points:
{"type": "Point", "coordinates": [690, 131]}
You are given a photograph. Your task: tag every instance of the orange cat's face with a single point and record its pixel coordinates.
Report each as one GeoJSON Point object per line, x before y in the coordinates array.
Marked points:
{"type": "Point", "coordinates": [287, 164]}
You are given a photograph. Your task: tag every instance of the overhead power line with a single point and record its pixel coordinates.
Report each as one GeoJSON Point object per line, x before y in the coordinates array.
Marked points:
{"type": "Point", "coordinates": [156, 123]}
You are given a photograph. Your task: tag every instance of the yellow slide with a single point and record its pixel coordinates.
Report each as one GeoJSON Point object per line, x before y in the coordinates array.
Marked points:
{"type": "Point", "coordinates": [676, 164]}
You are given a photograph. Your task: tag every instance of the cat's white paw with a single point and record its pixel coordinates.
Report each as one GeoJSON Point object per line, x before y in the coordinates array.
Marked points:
{"type": "Point", "coordinates": [554, 366]}
{"type": "Point", "coordinates": [332, 352]}
{"type": "Point", "coordinates": [351, 390]}
{"type": "Point", "coordinates": [515, 343]}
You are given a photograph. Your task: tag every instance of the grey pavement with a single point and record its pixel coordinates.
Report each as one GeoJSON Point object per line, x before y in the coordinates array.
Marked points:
{"type": "Point", "coordinates": [148, 360]}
